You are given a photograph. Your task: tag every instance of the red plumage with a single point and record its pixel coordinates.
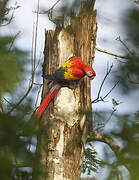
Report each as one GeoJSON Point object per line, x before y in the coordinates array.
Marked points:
{"type": "Point", "coordinates": [73, 69]}
{"type": "Point", "coordinates": [47, 100]}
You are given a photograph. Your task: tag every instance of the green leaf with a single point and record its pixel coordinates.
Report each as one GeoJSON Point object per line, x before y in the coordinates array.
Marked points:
{"type": "Point", "coordinates": [115, 102]}
{"type": "Point", "coordinates": [10, 72]}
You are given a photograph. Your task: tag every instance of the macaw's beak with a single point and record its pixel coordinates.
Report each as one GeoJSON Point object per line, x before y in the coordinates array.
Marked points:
{"type": "Point", "coordinates": [92, 77]}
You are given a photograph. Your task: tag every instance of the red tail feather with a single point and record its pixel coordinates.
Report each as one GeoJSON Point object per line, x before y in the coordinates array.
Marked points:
{"type": "Point", "coordinates": [47, 100]}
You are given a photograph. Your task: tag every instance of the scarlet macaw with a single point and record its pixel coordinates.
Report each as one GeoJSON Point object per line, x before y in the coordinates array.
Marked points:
{"type": "Point", "coordinates": [72, 70]}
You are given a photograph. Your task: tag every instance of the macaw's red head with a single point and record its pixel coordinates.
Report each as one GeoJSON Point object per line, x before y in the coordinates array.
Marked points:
{"type": "Point", "coordinates": [90, 72]}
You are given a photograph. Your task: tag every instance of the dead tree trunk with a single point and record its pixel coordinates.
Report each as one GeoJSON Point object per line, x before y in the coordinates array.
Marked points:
{"type": "Point", "coordinates": [59, 146]}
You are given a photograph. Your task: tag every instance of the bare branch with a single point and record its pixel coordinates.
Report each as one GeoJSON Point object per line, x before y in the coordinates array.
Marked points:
{"type": "Point", "coordinates": [14, 38]}
{"type": "Point", "coordinates": [126, 47]}
{"type": "Point", "coordinates": [38, 95]}
{"type": "Point", "coordinates": [32, 50]}
{"type": "Point", "coordinates": [102, 125]}
{"type": "Point", "coordinates": [8, 101]}
{"type": "Point", "coordinates": [50, 9]}
{"type": "Point", "coordinates": [37, 84]}
{"type": "Point", "coordinates": [36, 36]}
{"type": "Point", "coordinates": [111, 90]}
{"type": "Point", "coordinates": [108, 72]}
{"type": "Point", "coordinates": [112, 54]}
{"type": "Point", "coordinates": [20, 101]}
{"type": "Point", "coordinates": [99, 98]}
{"type": "Point", "coordinates": [95, 136]}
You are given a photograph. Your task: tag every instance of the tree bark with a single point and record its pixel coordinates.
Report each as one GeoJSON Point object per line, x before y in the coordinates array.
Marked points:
{"type": "Point", "coordinates": [59, 143]}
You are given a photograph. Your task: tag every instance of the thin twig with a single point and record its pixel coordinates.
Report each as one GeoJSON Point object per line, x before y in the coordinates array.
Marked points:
{"type": "Point", "coordinates": [20, 101]}
{"type": "Point", "coordinates": [36, 35]}
{"type": "Point", "coordinates": [8, 101]}
{"type": "Point", "coordinates": [1, 106]}
{"type": "Point", "coordinates": [99, 98]}
{"type": "Point", "coordinates": [49, 12]}
{"type": "Point", "coordinates": [38, 63]}
{"type": "Point", "coordinates": [38, 96]}
{"type": "Point", "coordinates": [98, 95]}
{"type": "Point", "coordinates": [114, 109]}
{"type": "Point", "coordinates": [37, 84]}
{"type": "Point", "coordinates": [53, 6]}
{"type": "Point", "coordinates": [50, 9]}
{"type": "Point", "coordinates": [14, 38]}
{"type": "Point", "coordinates": [108, 72]}
{"type": "Point", "coordinates": [124, 44]}
{"type": "Point", "coordinates": [104, 123]}
{"type": "Point", "coordinates": [32, 50]}
{"type": "Point", "coordinates": [111, 89]}
{"type": "Point", "coordinates": [113, 54]}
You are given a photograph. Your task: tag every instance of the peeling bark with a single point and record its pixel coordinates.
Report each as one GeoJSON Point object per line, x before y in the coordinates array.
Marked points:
{"type": "Point", "coordinates": [59, 147]}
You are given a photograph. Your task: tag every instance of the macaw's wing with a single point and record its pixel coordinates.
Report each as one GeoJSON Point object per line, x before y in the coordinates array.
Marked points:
{"type": "Point", "coordinates": [71, 70]}
{"type": "Point", "coordinates": [58, 75]}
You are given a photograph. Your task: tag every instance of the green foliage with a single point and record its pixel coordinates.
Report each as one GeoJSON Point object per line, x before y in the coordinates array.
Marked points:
{"type": "Point", "coordinates": [10, 66]}
{"type": "Point", "coordinates": [16, 131]}
{"type": "Point", "coordinates": [132, 26]}
{"type": "Point", "coordinates": [15, 149]}
{"type": "Point", "coordinates": [90, 161]}
{"type": "Point", "coordinates": [5, 11]}
{"type": "Point", "coordinates": [127, 127]}
{"type": "Point", "coordinates": [127, 130]}
{"type": "Point", "coordinates": [115, 102]}
{"type": "Point", "coordinates": [128, 72]}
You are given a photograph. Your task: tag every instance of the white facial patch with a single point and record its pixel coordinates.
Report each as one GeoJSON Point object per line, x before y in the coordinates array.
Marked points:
{"type": "Point", "coordinates": [89, 73]}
